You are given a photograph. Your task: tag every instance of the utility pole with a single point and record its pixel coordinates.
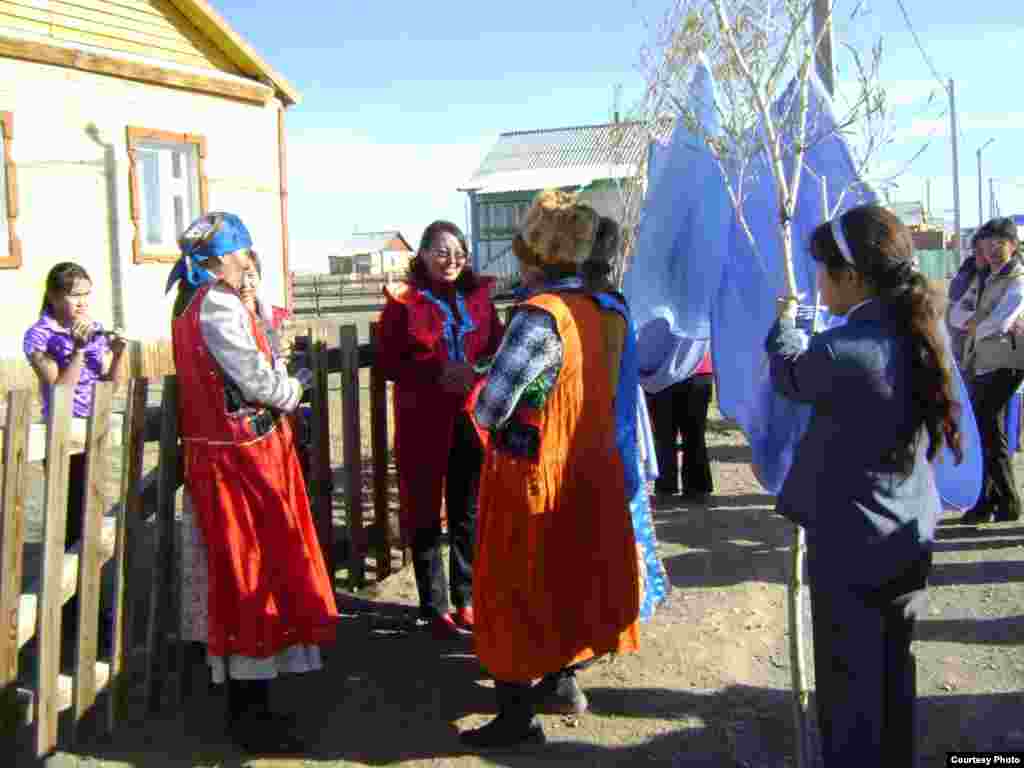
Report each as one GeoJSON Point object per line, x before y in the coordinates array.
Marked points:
{"type": "Point", "coordinates": [928, 197]}
{"type": "Point", "coordinates": [822, 26]}
{"type": "Point", "coordinates": [993, 206]}
{"type": "Point", "coordinates": [956, 172]}
{"type": "Point", "coordinates": [981, 215]}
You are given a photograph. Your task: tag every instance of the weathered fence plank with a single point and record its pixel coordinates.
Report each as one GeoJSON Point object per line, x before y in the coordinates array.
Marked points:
{"type": "Point", "coordinates": [12, 539]}
{"type": "Point", "coordinates": [381, 460]}
{"type": "Point", "coordinates": [97, 457]}
{"type": "Point", "coordinates": [353, 450]}
{"type": "Point", "coordinates": [54, 520]}
{"type": "Point", "coordinates": [163, 676]}
{"type": "Point", "coordinates": [127, 526]}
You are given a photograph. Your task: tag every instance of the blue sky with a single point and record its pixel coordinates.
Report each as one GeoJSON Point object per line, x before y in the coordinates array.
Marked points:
{"type": "Point", "coordinates": [400, 101]}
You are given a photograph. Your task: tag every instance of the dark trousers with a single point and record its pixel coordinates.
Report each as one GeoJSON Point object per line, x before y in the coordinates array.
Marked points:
{"type": "Point", "coordinates": [864, 670]}
{"type": "Point", "coordinates": [462, 484]}
{"type": "Point", "coordinates": [76, 499]}
{"type": "Point", "coordinates": [682, 409]}
{"type": "Point", "coordinates": [990, 395]}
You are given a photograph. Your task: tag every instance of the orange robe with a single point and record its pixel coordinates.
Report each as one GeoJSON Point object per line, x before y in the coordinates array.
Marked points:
{"type": "Point", "coordinates": [555, 576]}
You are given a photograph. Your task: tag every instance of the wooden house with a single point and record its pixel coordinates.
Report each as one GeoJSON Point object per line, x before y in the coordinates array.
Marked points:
{"type": "Point", "coordinates": [122, 121]}
{"type": "Point", "coordinates": [601, 161]}
{"type": "Point", "coordinates": [372, 255]}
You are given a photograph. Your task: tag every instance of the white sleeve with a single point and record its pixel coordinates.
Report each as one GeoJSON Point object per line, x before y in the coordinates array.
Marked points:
{"type": "Point", "coordinates": [227, 329]}
{"type": "Point", "coordinates": [1004, 314]}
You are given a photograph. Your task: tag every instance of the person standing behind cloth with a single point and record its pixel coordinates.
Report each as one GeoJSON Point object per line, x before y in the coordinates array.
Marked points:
{"type": "Point", "coordinates": [991, 385]}
{"type": "Point", "coordinates": [964, 291]}
{"type": "Point", "coordinates": [271, 600]}
{"type": "Point", "coordinates": [556, 571]}
{"type": "Point", "coordinates": [434, 327]}
{"type": "Point", "coordinates": [864, 488]}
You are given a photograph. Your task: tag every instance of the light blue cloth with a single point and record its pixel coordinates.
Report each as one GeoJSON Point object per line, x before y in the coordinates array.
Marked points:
{"type": "Point", "coordinates": [629, 411]}
{"type": "Point", "coordinates": [696, 270]}
{"type": "Point", "coordinates": [681, 247]}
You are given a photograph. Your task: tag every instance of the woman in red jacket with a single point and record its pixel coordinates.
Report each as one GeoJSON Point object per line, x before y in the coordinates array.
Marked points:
{"type": "Point", "coordinates": [433, 328]}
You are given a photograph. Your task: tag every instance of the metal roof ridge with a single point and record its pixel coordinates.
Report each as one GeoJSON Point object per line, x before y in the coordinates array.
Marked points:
{"type": "Point", "coordinates": [571, 128]}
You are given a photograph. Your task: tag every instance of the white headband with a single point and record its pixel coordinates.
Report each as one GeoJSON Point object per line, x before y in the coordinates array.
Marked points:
{"type": "Point", "coordinates": [836, 226]}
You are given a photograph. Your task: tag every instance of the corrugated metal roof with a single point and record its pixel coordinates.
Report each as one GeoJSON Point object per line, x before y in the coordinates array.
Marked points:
{"type": "Point", "coordinates": [616, 147]}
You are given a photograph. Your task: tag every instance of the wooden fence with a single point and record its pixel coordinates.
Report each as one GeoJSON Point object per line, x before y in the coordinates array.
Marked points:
{"type": "Point", "coordinates": [323, 295]}
{"type": "Point", "coordinates": [326, 294]}
{"type": "Point", "coordinates": [35, 697]}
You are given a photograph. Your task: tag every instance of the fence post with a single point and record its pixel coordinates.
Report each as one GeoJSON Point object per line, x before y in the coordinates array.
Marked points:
{"type": "Point", "coordinates": [129, 517]}
{"type": "Point", "coordinates": [379, 443]}
{"type": "Point", "coordinates": [49, 612]}
{"type": "Point", "coordinates": [12, 539]}
{"type": "Point", "coordinates": [97, 471]}
{"type": "Point", "coordinates": [163, 612]}
{"type": "Point", "coordinates": [320, 481]}
{"type": "Point", "coordinates": [353, 453]}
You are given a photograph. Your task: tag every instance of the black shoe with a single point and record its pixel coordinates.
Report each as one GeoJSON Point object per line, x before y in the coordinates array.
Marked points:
{"type": "Point", "coordinates": [504, 732]}
{"type": "Point", "coordinates": [696, 497]}
{"type": "Point", "coordinates": [560, 694]}
{"type": "Point", "coordinates": [1007, 515]}
{"type": "Point", "coordinates": [976, 515]}
{"type": "Point", "coordinates": [265, 735]}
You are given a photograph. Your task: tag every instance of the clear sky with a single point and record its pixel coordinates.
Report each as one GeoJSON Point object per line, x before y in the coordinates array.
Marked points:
{"type": "Point", "coordinates": [401, 100]}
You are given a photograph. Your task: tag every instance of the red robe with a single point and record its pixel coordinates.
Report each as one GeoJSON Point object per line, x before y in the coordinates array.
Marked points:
{"type": "Point", "coordinates": [411, 351]}
{"type": "Point", "coordinates": [269, 587]}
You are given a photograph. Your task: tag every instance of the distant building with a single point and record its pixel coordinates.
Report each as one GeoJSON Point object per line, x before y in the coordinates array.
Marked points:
{"type": "Point", "coordinates": [372, 254]}
{"type": "Point", "coordinates": [599, 159]}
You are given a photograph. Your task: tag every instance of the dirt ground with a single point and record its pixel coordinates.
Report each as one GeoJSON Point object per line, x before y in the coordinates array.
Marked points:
{"type": "Point", "coordinates": [710, 686]}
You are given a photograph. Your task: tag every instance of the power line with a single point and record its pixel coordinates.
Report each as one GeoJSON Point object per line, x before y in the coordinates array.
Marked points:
{"type": "Point", "coordinates": [917, 41]}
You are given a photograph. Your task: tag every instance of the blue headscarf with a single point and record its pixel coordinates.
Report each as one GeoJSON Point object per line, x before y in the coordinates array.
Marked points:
{"type": "Point", "coordinates": [212, 234]}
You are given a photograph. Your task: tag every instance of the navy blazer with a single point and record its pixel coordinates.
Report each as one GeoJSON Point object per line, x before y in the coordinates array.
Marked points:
{"type": "Point", "coordinates": [866, 520]}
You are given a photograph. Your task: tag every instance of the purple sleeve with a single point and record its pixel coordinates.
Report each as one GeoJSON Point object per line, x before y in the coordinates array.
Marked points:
{"type": "Point", "coordinates": [37, 339]}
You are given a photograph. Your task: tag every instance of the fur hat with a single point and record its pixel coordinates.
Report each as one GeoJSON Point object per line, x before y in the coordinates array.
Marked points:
{"type": "Point", "coordinates": [558, 230]}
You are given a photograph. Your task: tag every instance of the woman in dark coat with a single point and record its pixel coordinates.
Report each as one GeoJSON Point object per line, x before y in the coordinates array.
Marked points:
{"type": "Point", "coordinates": [863, 488]}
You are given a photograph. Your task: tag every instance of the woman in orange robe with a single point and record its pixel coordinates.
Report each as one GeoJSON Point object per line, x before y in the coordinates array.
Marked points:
{"type": "Point", "coordinates": [556, 579]}
{"type": "Point", "coordinates": [271, 602]}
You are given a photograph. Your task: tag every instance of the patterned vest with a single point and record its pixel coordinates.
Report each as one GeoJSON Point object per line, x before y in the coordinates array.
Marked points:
{"type": "Point", "coordinates": [210, 407]}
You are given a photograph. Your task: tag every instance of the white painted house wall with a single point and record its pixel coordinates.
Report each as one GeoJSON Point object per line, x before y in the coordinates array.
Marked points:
{"type": "Point", "coordinates": [63, 187]}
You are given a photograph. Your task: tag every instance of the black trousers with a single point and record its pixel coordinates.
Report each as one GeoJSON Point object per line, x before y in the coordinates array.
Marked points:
{"type": "Point", "coordinates": [462, 485]}
{"type": "Point", "coordinates": [865, 674]}
{"type": "Point", "coordinates": [682, 409]}
{"type": "Point", "coordinates": [990, 395]}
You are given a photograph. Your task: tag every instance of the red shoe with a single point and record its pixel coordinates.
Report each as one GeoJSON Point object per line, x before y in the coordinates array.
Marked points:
{"type": "Point", "coordinates": [464, 617]}
{"type": "Point", "coordinates": [443, 627]}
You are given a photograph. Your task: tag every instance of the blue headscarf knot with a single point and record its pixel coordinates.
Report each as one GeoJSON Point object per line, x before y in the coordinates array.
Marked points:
{"type": "Point", "coordinates": [212, 234]}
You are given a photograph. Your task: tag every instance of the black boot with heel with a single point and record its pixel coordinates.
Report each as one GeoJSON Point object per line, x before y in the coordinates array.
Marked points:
{"type": "Point", "coordinates": [516, 725]}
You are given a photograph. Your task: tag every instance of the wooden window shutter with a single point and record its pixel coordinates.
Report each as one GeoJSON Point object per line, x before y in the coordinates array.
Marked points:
{"type": "Point", "coordinates": [137, 136]}
{"type": "Point", "coordinates": [13, 258]}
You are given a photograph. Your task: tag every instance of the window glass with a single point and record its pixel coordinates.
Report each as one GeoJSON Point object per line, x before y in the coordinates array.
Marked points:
{"type": "Point", "coordinates": [151, 196]}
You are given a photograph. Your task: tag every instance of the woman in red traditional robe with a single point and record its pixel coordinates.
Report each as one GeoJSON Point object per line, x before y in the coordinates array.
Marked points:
{"type": "Point", "coordinates": [433, 328]}
{"type": "Point", "coordinates": [270, 599]}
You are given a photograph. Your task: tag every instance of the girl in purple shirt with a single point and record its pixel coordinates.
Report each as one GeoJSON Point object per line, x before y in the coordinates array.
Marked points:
{"type": "Point", "coordinates": [66, 346]}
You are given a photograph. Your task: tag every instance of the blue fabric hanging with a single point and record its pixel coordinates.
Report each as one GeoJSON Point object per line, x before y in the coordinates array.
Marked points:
{"type": "Point", "coordinates": [696, 270]}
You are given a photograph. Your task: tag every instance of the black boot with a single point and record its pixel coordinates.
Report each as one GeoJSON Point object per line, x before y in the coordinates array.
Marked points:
{"type": "Point", "coordinates": [515, 724]}
{"type": "Point", "coordinates": [252, 726]}
{"type": "Point", "coordinates": [560, 694]}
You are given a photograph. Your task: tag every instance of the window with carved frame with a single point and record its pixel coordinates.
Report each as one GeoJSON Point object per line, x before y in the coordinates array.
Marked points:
{"type": "Point", "coordinates": [168, 187]}
{"type": "Point", "coordinates": [10, 244]}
